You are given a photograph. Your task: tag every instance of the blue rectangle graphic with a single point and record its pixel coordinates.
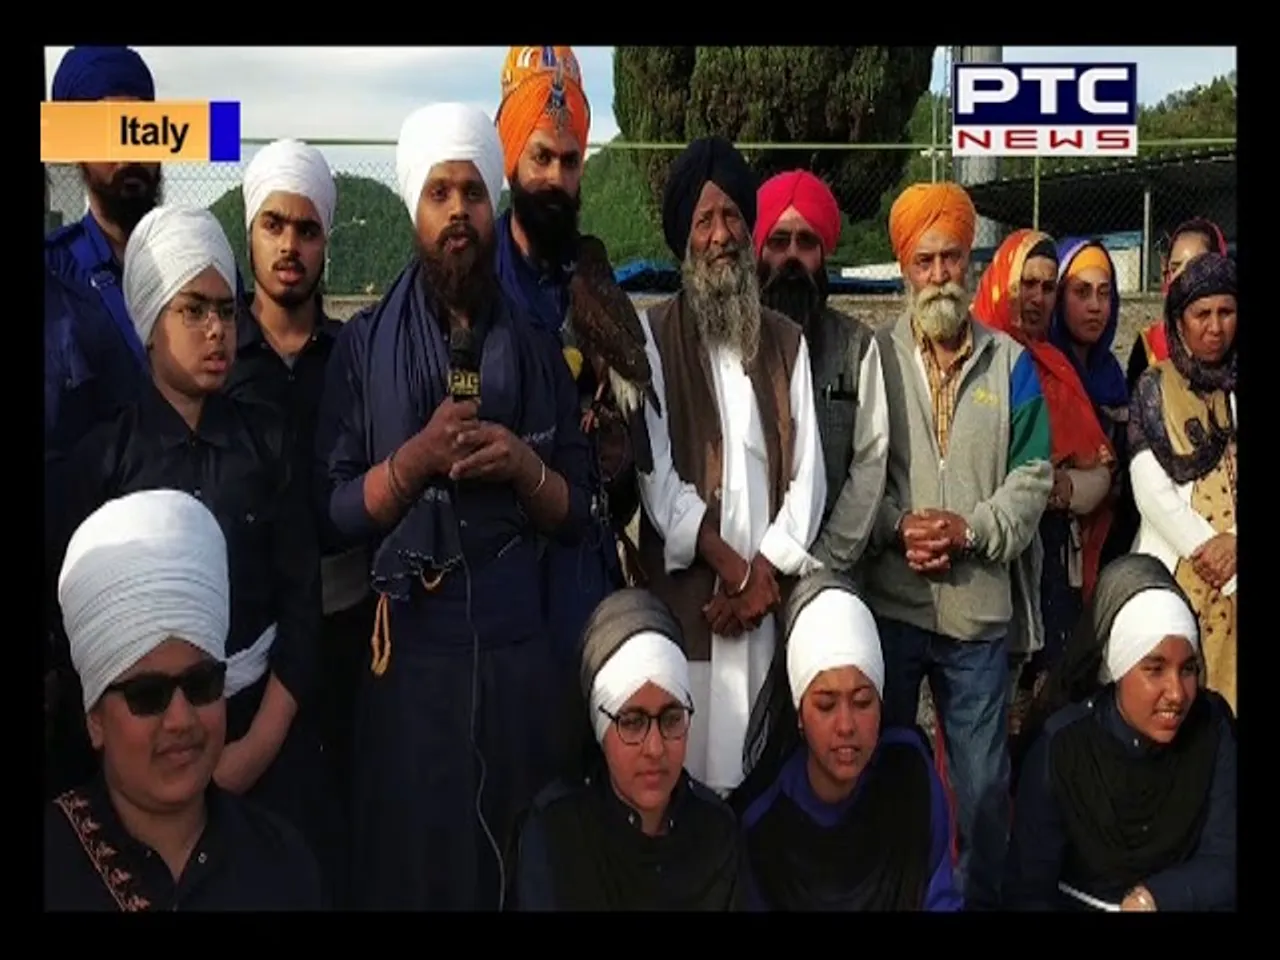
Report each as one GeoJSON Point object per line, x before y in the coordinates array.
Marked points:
{"type": "Point", "coordinates": [1044, 94]}
{"type": "Point", "coordinates": [224, 132]}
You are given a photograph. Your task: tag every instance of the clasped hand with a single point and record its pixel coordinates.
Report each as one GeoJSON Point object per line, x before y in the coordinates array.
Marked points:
{"type": "Point", "coordinates": [731, 616]}
{"type": "Point", "coordinates": [930, 537]}
{"type": "Point", "coordinates": [467, 448]}
{"type": "Point", "coordinates": [1063, 488]}
{"type": "Point", "coordinates": [1215, 560]}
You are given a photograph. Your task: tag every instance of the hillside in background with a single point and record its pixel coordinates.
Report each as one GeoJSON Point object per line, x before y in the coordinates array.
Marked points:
{"type": "Point", "coordinates": [618, 198]}
{"type": "Point", "coordinates": [364, 258]}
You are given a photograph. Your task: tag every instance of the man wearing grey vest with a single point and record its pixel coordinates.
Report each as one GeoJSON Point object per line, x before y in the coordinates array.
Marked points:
{"type": "Point", "coordinates": [797, 228]}
{"type": "Point", "coordinates": [969, 477]}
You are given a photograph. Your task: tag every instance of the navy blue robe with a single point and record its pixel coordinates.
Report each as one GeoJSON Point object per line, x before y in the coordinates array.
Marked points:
{"type": "Point", "coordinates": [79, 253]}
{"type": "Point", "coordinates": [576, 577]}
{"type": "Point", "coordinates": [470, 695]}
{"type": "Point", "coordinates": [90, 370]}
{"type": "Point", "coordinates": [793, 787]}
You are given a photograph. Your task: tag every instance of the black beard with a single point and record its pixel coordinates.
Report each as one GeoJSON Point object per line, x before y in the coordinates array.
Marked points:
{"type": "Point", "coordinates": [549, 218]}
{"type": "Point", "coordinates": [464, 282]}
{"type": "Point", "coordinates": [794, 292]}
{"type": "Point", "coordinates": [133, 192]}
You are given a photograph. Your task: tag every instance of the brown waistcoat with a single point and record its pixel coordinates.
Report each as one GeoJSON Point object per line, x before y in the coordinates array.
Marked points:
{"type": "Point", "coordinates": [693, 424]}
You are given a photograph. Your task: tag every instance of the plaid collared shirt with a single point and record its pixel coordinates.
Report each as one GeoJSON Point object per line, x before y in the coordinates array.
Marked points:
{"type": "Point", "coordinates": [944, 382]}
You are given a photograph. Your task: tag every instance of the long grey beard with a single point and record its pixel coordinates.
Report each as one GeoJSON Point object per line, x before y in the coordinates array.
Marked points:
{"type": "Point", "coordinates": [941, 311]}
{"type": "Point", "coordinates": [725, 301]}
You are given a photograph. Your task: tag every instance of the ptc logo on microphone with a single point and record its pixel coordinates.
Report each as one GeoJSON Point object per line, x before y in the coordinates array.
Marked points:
{"type": "Point", "coordinates": [1044, 110]}
{"type": "Point", "coordinates": [464, 384]}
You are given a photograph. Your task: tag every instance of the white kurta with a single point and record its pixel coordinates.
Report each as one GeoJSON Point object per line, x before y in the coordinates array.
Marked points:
{"type": "Point", "coordinates": [725, 689]}
{"type": "Point", "coordinates": [1170, 529]}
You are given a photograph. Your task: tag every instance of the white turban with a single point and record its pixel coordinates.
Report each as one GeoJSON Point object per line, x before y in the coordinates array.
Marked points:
{"type": "Point", "coordinates": [1140, 626]}
{"type": "Point", "coordinates": [441, 133]}
{"type": "Point", "coordinates": [141, 570]}
{"type": "Point", "coordinates": [647, 657]}
{"type": "Point", "coordinates": [169, 248]}
{"type": "Point", "coordinates": [834, 629]}
{"type": "Point", "coordinates": [290, 166]}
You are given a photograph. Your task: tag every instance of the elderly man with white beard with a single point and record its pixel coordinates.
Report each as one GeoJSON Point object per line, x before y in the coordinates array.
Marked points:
{"type": "Point", "coordinates": [735, 498]}
{"type": "Point", "coordinates": [954, 516]}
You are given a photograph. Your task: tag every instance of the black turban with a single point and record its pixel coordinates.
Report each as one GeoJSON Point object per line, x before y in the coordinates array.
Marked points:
{"type": "Point", "coordinates": [1207, 275]}
{"type": "Point", "coordinates": [706, 159]}
{"type": "Point", "coordinates": [1045, 248]}
{"type": "Point", "coordinates": [95, 73]}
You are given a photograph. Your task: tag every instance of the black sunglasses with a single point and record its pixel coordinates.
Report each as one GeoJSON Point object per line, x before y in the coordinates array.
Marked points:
{"type": "Point", "coordinates": [149, 694]}
{"type": "Point", "coordinates": [781, 241]}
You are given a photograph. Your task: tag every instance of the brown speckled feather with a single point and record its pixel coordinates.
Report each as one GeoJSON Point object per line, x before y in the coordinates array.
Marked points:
{"type": "Point", "coordinates": [604, 319]}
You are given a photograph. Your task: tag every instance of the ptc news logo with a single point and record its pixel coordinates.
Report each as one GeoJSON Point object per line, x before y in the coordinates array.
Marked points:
{"type": "Point", "coordinates": [1045, 110]}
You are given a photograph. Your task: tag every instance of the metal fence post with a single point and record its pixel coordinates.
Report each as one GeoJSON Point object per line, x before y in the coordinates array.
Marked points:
{"type": "Point", "coordinates": [1146, 237]}
{"type": "Point", "coordinates": [1035, 193]}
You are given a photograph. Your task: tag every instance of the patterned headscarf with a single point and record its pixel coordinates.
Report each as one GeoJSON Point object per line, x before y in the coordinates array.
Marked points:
{"type": "Point", "coordinates": [1207, 275]}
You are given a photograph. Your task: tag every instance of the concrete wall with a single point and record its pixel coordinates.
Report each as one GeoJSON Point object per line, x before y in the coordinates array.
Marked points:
{"type": "Point", "coordinates": [1135, 312]}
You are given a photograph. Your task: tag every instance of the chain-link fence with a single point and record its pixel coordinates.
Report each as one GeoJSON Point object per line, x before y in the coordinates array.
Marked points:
{"type": "Point", "coordinates": [1131, 204]}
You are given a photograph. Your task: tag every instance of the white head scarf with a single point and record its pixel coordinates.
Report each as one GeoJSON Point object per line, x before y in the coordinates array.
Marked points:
{"type": "Point", "coordinates": [290, 166]}
{"type": "Point", "coordinates": [1142, 623]}
{"type": "Point", "coordinates": [143, 569]}
{"type": "Point", "coordinates": [169, 248]}
{"type": "Point", "coordinates": [646, 657]}
{"type": "Point", "coordinates": [834, 629]}
{"type": "Point", "coordinates": [444, 132]}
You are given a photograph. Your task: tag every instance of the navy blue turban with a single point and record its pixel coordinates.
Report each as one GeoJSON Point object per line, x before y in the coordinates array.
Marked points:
{"type": "Point", "coordinates": [95, 73]}
{"type": "Point", "coordinates": [707, 159]}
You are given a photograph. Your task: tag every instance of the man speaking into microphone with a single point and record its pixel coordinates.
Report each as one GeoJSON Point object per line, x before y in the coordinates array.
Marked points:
{"type": "Point", "coordinates": [454, 486]}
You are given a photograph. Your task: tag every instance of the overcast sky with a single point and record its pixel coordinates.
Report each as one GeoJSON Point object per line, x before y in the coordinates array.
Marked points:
{"type": "Point", "coordinates": [355, 93]}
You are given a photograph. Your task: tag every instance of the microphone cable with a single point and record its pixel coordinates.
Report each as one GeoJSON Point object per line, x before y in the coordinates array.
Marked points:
{"type": "Point", "coordinates": [474, 708]}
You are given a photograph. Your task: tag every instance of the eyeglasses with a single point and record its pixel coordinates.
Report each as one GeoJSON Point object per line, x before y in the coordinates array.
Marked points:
{"type": "Point", "coordinates": [633, 725]}
{"type": "Point", "coordinates": [149, 694]}
{"type": "Point", "coordinates": [196, 313]}
{"type": "Point", "coordinates": [804, 240]}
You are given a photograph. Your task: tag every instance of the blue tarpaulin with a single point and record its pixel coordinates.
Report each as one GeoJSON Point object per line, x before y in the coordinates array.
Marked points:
{"type": "Point", "coordinates": [658, 276]}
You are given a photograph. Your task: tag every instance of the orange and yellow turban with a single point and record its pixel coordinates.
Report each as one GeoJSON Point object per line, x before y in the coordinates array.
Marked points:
{"type": "Point", "coordinates": [923, 207]}
{"type": "Point", "coordinates": [1091, 257]}
{"type": "Point", "coordinates": [541, 90]}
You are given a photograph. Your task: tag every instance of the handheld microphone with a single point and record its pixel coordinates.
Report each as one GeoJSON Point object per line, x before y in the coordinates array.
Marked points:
{"type": "Point", "coordinates": [464, 366]}
{"type": "Point", "coordinates": [464, 384]}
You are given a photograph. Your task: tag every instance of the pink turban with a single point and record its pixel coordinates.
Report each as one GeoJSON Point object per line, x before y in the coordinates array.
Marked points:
{"type": "Point", "coordinates": [812, 199]}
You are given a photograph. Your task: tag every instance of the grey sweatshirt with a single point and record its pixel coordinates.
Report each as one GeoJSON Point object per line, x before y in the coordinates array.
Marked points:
{"type": "Point", "coordinates": [997, 476]}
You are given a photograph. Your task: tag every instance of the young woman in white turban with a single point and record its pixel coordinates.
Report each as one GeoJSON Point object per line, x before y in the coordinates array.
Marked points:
{"type": "Point", "coordinates": [183, 433]}
{"type": "Point", "coordinates": [1127, 796]}
{"type": "Point", "coordinates": [146, 605]}
{"type": "Point", "coordinates": [628, 828]}
{"type": "Point", "coordinates": [839, 814]}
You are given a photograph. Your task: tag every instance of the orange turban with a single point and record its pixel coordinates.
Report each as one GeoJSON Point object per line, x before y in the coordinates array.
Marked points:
{"type": "Point", "coordinates": [930, 206]}
{"type": "Point", "coordinates": [541, 90]}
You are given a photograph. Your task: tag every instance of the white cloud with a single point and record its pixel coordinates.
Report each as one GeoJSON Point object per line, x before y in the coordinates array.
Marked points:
{"type": "Point", "coordinates": [348, 93]}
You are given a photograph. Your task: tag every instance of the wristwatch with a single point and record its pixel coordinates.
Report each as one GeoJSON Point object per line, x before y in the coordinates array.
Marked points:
{"type": "Point", "coordinates": [970, 541]}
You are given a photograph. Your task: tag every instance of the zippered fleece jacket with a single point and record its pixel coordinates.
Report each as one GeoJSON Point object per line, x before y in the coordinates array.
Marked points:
{"type": "Point", "coordinates": [997, 476]}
